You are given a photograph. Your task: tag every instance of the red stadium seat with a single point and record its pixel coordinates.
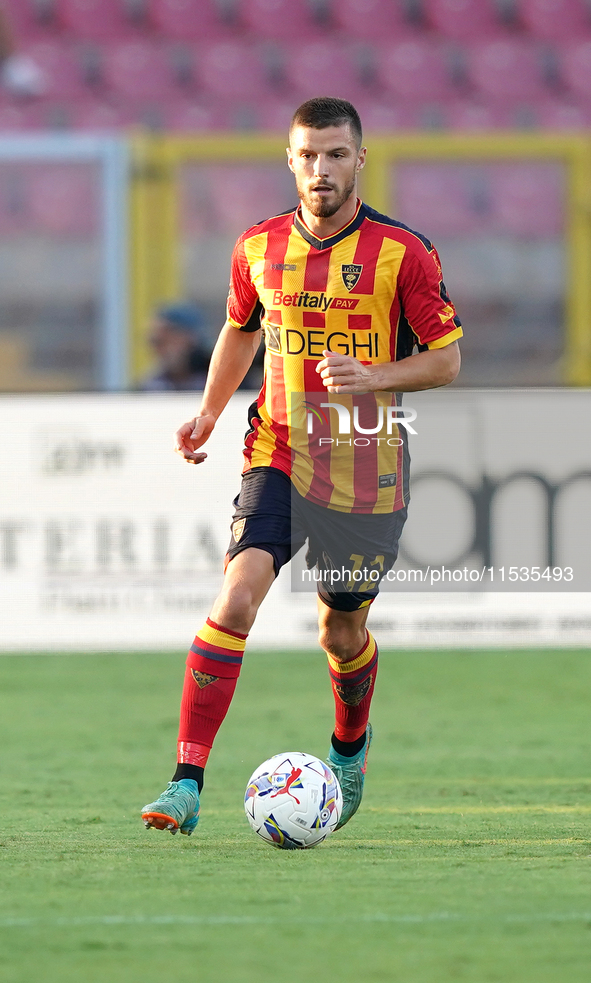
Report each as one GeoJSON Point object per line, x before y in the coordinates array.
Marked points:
{"type": "Point", "coordinates": [188, 115]}
{"type": "Point", "coordinates": [323, 68]}
{"type": "Point", "coordinates": [229, 198]}
{"type": "Point", "coordinates": [559, 114]}
{"type": "Point", "coordinates": [61, 66]}
{"type": "Point", "coordinates": [381, 116]}
{"type": "Point", "coordinates": [519, 198]}
{"type": "Point", "coordinates": [97, 114]}
{"type": "Point", "coordinates": [438, 199]}
{"type": "Point", "coordinates": [63, 198]}
{"type": "Point", "coordinates": [15, 117]}
{"type": "Point", "coordinates": [232, 69]}
{"type": "Point", "coordinates": [555, 19]}
{"type": "Point", "coordinates": [98, 19]}
{"type": "Point", "coordinates": [378, 20]}
{"type": "Point", "coordinates": [27, 20]}
{"type": "Point", "coordinates": [416, 70]}
{"type": "Point", "coordinates": [528, 198]}
{"type": "Point", "coordinates": [186, 19]}
{"type": "Point", "coordinates": [138, 69]}
{"type": "Point", "coordinates": [575, 67]}
{"type": "Point", "coordinates": [279, 19]}
{"type": "Point", "coordinates": [274, 114]}
{"type": "Point", "coordinates": [469, 115]}
{"type": "Point", "coordinates": [463, 19]}
{"type": "Point", "coordinates": [506, 69]}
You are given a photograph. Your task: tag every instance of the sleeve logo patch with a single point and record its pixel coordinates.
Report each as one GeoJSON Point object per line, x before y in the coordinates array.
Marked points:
{"type": "Point", "coordinates": [350, 273]}
{"type": "Point", "coordinates": [447, 313]}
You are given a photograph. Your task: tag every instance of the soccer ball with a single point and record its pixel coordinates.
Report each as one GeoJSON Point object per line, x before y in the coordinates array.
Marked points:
{"type": "Point", "coordinates": [293, 800]}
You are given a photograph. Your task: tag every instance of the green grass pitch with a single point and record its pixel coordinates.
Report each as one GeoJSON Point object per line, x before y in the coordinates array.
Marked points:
{"type": "Point", "coordinates": [468, 862]}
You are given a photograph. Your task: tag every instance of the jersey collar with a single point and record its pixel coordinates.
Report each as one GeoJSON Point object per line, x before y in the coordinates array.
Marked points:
{"type": "Point", "coordinates": [332, 240]}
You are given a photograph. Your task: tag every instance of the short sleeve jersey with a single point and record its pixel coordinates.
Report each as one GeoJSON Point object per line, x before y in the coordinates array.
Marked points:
{"type": "Point", "coordinates": [374, 290]}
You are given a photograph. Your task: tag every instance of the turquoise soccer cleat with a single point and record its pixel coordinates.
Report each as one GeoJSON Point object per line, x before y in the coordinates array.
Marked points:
{"type": "Point", "coordinates": [177, 808]}
{"type": "Point", "coordinates": [351, 775]}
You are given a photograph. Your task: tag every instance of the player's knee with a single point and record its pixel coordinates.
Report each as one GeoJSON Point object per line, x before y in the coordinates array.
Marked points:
{"type": "Point", "coordinates": [339, 638]}
{"type": "Point", "coordinates": [236, 608]}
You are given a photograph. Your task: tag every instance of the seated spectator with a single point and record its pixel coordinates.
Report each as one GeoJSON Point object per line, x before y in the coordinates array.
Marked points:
{"type": "Point", "coordinates": [177, 338]}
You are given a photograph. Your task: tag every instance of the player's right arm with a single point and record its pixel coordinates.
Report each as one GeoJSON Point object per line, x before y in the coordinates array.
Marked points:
{"type": "Point", "coordinates": [230, 361]}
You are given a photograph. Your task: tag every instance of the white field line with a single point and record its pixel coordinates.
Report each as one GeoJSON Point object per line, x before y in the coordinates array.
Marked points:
{"type": "Point", "coordinates": [480, 810]}
{"type": "Point", "coordinates": [223, 920]}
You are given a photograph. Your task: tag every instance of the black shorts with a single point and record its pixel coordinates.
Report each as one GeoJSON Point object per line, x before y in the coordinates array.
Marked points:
{"type": "Point", "coordinates": [351, 552]}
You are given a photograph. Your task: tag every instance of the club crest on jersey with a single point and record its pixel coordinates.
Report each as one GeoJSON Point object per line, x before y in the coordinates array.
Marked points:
{"type": "Point", "coordinates": [238, 529]}
{"type": "Point", "coordinates": [350, 273]}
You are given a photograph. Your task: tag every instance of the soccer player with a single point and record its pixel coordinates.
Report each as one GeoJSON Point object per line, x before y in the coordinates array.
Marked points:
{"type": "Point", "coordinates": [344, 296]}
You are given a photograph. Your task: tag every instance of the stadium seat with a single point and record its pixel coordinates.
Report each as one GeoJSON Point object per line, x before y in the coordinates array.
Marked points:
{"type": "Point", "coordinates": [382, 116]}
{"type": "Point", "coordinates": [555, 19]}
{"type": "Point", "coordinates": [575, 67]}
{"type": "Point", "coordinates": [468, 114]}
{"type": "Point", "coordinates": [27, 19]}
{"type": "Point", "coordinates": [518, 198]}
{"type": "Point", "coordinates": [138, 69]}
{"type": "Point", "coordinates": [416, 70]}
{"type": "Point", "coordinates": [96, 19]}
{"type": "Point", "coordinates": [463, 19]}
{"type": "Point", "coordinates": [279, 19]}
{"type": "Point", "coordinates": [376, 116]}
{"type": "Point", "coordinates": [528, 198]}
{"type": "Point", "coordinates": [61, 65]}
{"type": "Point", "coordinates": [229, 198]}
{"type": "Point", "coordinates": [562, 114]}
{"type": "Point", "coordinates": [186, 19]}
{"type": "Point", "coordinates": [439, 199]}
{"type": "Point", "coordinates": [97, 114]}
{"type": "Point", "coordinates": [188, 115]}
{"type": "Point", "coordinates": [506, 69]}
{"type": "Point", "coordinates": [378, 20]}
{"type": "Point", "coordinates": [274, 114]}
{"type": "Point", "coordinates": [323, 67]}
{"type": "Point", "coordinates": [232, 69]}
{"type": "Point", "coordinates": [63, 199]}
{"type": "Point", "coordinates": [16, 117]}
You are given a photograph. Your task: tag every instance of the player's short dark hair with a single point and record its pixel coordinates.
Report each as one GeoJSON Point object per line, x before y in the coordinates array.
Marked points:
{"type": "Point", "coordinates": [326, 111]}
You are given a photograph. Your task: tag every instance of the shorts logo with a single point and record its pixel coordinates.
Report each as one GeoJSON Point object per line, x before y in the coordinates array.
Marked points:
{"type": "Point", "coordinates": [203, 679]}
{"type": "Point", "coordinates": [350, 274]}
{"type": "Point", "coordinates": [238, 529]}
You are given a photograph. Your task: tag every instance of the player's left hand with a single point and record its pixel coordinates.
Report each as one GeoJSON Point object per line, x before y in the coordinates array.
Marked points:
{"type": "Point", "coordinates": [344, 374]}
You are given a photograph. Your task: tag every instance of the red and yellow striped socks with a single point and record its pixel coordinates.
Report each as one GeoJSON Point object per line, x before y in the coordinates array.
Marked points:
{"type": "Point", "coordinates": [352, 685]}
{"type": "Point", "coordinates": [213, 667]}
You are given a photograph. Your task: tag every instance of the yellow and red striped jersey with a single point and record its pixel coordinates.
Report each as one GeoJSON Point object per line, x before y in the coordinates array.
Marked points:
{"type": "Point", "coordinates": [373, 290]}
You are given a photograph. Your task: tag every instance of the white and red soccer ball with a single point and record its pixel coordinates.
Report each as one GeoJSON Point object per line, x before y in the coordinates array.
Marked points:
{"type": "Point", "coordinates": [293, 800]}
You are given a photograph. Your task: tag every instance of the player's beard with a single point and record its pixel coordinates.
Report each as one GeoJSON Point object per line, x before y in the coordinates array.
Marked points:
{"type": "Point", "coordinates": [322, 208]}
